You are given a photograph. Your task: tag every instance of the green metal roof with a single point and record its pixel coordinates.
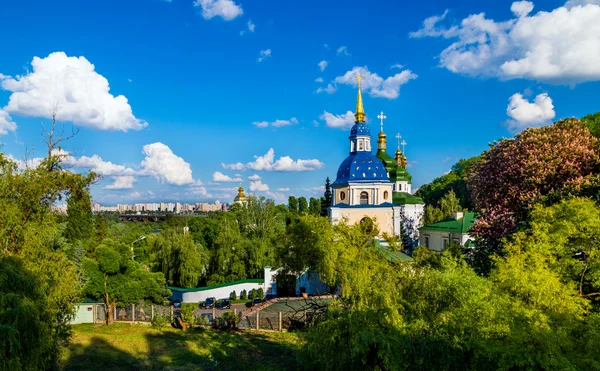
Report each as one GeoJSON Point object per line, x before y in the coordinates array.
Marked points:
{"type": "Point", "coordinates": [405, 198]}
{"type": "Point", "coordinates": [400, 174]}
{"type": "Point", "coordinates": [451, 225]}
{"type": "Point", "coordinates": [194, 289]}
{"type": "Point", "coordinates": [387, 160]}
{"type": "Point", "coordinates": [391, 255]}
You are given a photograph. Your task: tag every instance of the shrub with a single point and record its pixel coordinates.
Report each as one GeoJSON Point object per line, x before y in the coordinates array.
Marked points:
{"type": "Point", "coordinates": [233, 295]}
{"type": "Point", "coordinates": [159, 321]}
{"type": "Point", "coordinates": [187, 313]}
{"type": "Point", "coordinates": [243, 295]}
{"type": "Point", "coordinates": [228, 321]}
{"type": "Point", "coordinates": [260, 293]}
{"type": "Point", "coordinates": [252, 294]}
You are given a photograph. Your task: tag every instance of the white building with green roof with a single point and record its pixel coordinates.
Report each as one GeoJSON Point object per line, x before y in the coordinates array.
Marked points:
{"type": "Point", "coordinates": [438, 236]}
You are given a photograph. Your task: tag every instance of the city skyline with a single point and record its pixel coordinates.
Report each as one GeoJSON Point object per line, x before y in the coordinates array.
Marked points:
{"type": "Point", "coordinates": [183, 100]}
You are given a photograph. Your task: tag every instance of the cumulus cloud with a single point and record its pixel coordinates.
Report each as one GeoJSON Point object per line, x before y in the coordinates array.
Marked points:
{"type": "Point", "coordinates": [322, 65]}
{"type": "Point", "coordinates": [375, 85]}
{"type": "Point", "coordinates": [254, 177]}
{"type": "Point", "coordinates": [319, 79]}
{"type": "Point", "coordinates": [398, 66]}
{"type": "Point", "coordinates": [6, 123]}
{"type": "Point", "coordinates": [73, 88]}
{"type": "Point", "coordinates": [283, 189]}
{"type": "Point", "coordinates": [122, 182]}
{"type": "Point", "coordinates": [225, 9]}
{"type": "Point", "coordinates": [276, 123]}
{"type": "Point", "coordinates": [165, 166]}
{"type": "Point", "coordinates": [237, 166]}
{"type": "Point", "coordinates": [525, 114]}
{"type": "Point", "coordinates": [558, 47]}
{"type": "Point", "coordinates": [285, 163]}
{"type": "Point", "coordinates": [343, 50]}
{"type": "Point", "coordinates": [276, 196]}
{"type": "Point", "coordinates": [96, 164]}
{"type": "Point", "coordinates": [220, 177]}
{"type": "Point", "coordinates": [258, 186]}
{"type": "Point", "coordinates": [251, 27]}
{"type": "Point", "coordinates": [329, 89]}
{"type": "Point", "coordinates": [343, 121]}
{"type": "Point", "coordinates": [264, 54]}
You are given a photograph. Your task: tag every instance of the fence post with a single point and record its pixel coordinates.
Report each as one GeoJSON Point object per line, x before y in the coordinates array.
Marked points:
{"type": "Point", "coordinates": [152, 312]}
{"type": "Point", "coordinates": [171, 313]}
{"type": "Point", "coordinates": [280, 324]}
{"type": "Point", "coordinates": [257, 320]}
{"type": "Point", "coordinates": [214, 310]}
{"type": "Point", "coordinates": [133, 313]}
{"type": "Point", "coordinates": [235, 311]}
{"type": "Point", "coordinates": [114, 312]}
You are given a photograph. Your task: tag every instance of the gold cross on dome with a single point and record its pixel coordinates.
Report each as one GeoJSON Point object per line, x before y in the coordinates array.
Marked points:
{"type": "Point", "coordinates": [398, 136]}
{"type": "Point", "coordinates": [403, 144]}
{"type": "Point", "coordinates": [358, 78]}
{"type": "Point", "coordinates": [381, 117]}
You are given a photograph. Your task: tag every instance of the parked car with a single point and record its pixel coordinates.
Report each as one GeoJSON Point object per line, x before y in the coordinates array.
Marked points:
{"type": "Point", "coordinates": [257, 301]}
{"type": "Point", "coordinates": [208, 303]}
{"type": "Point", "coordinates": [223, 304]}
{"type": "Point", "coordinates": [176, 303]}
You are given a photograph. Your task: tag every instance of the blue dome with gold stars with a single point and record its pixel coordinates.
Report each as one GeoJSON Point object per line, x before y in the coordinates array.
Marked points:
{"type": "Point", "coordinates": [359, 129]}
{"type": "Point", "coordinates": [361, 167]}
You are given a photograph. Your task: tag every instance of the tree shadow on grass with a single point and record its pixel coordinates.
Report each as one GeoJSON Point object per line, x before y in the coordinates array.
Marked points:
{"type": "Point", "coordinates": [100, 355]}
{"type": "Point", "coordinates": [188, 350]}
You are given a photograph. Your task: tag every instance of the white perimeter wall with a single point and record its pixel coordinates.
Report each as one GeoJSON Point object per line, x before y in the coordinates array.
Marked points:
{"type": "Point", "coordinates": [218, 293]}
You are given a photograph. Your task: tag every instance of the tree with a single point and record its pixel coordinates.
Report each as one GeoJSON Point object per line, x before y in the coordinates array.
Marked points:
{"type": "Point", "coordinates": [454, 180]}
{"type": "Point", "coordinates": [233, 295]}
{"type": "Point", "coordinates": [243, 295]}
{"type": "Point", "coordinates": [449, 204]}
{"type": "Point", "coordinates": [592, 121]}
{"type": "Point", "coordinates": [115, 278]}
{"type": "Point", "coordinates": [314, 207]}
{"type": "Point", "coordinates": [293, 204]}
{"type": "Point", "coordinates": [327, 199]}
{"type": "Point", "coordinates": [302, 206]}
{"type": "Point", "coordinates": [80, 220]}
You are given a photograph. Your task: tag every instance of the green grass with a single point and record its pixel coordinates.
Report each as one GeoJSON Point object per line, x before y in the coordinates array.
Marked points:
{"type": "Point", "coordinates": [141, 347]}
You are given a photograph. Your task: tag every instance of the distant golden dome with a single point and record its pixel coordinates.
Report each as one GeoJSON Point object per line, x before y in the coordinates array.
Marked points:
{"type": "Point", "coordinates": [241, 197]}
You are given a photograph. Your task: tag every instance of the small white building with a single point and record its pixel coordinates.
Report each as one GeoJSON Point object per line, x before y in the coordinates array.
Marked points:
{"type": "Point", "coordinates": [437, 236]}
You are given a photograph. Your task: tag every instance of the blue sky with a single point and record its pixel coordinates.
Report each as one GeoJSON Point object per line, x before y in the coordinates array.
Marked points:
{"type": "Point", "coordinates": [197, 94]}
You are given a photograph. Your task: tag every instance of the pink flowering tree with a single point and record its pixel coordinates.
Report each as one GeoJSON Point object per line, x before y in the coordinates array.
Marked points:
{"type": "Point", "coordinates": [539, 165]}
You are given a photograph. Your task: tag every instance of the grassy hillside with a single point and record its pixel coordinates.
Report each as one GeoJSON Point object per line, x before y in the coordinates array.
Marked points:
{"type": "Point", "coordinates": [137, 347]}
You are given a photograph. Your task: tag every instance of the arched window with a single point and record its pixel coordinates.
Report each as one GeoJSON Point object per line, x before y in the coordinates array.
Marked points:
{"type": "Point", "coordinates": [367, 225]}
{"type": "Point", "coordinates": [385, 195]}
{"type": "Point", "coordinates": [364, 198]}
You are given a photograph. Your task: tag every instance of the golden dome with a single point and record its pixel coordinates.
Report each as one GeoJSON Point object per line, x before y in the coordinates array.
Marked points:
{"type": "Point", "coordinates": [240, 196]}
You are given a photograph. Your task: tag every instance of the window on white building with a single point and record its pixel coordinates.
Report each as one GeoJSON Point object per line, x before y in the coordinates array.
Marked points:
{"type": "Point", "coordinates": [364, 198]}
{"type": "Point", "coordinates": [427, 241]}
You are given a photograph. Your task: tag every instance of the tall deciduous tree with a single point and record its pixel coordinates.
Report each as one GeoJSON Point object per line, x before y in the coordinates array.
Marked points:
{"type": "Point", "coordinates": [80, 220]}
{"type": "Point", "coordinates": [302, 205]}
{"type": "Point", "coordinates": [113, 276]}
{"type": "Point", "coordinates": [293, 204]}
{"type": "Point", "coordinates": [314, 206]}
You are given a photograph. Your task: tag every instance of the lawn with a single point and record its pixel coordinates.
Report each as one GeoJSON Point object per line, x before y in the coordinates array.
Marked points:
{"type": "Point", "coordinates": [140, 347]}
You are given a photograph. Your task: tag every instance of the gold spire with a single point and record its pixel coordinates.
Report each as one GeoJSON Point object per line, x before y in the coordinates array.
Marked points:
{"type": "Point", "coordinates": [381, 141]}
{"type": "Point", "coordinates": [360, 111]}
{"type": "Point", "coordinates": [241, 196]}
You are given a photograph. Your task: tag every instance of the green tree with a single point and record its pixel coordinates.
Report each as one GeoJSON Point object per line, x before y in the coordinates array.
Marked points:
{"type": "Point", "coordinates": [592, 121]}
{"type": "Point", "coordinates": [454, 180]}
{"type": "Point", "coordinates": [115, 278]}
{"type": "Point", "coordinates": [327, 199]}
{"type": "Point", "coordinates": [302, 205]}
{"type": "Point", "coordinates": [314, 207]}
{"type": "Point", "coordinates": [233, 295]}
{"type": "Point", "coordinates": [80, 222]}
{"type": "Point", "coordinates": [293, 204]}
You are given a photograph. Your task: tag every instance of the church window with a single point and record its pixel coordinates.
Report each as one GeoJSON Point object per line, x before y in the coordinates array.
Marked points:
{"type": "Point", "coordinates": [385, 195]}
{"type": "Point", "coordinates": [342, 196]}
{"type": "Point", "coordinates": [364, 198]}
{"type": "Point", "coordinates": [427, 241]}
{"type": "Point", "coordinates": [360, 145]}
{"type": "Point", "coordinates": [367, 225]}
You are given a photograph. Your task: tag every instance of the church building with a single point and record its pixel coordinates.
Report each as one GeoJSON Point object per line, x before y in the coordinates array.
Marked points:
{"type": "Point", "coordinates": [375, 187]}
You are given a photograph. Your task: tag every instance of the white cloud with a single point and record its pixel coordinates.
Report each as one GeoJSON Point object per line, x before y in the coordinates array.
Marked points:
{"type": "Point", "coordinates": [238, 166]}
{"type": "Point", "coordinates": [558, 47]}
{"type": "Point", "coordinates": [220, 177]}
{"type": "Point", "coordinates": [96, 164]}
{"type": "Point", "coordinates": [163, 164]}
{"type": "Point", "coordinates": [276, 123]}
{"type": "Point", "coordinates": [319, 79]}
{"type": "Point", "coordinates": [283, 189]}
{"type": "Point", "coordinates": [254, 177]}
{"type": "Point", "coordinates": [329, 89]}
{"type": "Point", "coordinates": [285, 163]}
{"type": "Point", "coordinates": [122, 182]}
{"type": "Point", "coordinates": [258, 186]}
{"type": "Point", "coordinates": [6, 123]}
{"type": "Point", "coordinates": [322, 65]}
{"type": "Point", "coordinates": [225, 9]}
{"type": "Point", "coordinates": [276, 196]}
{"type": "Point", "coordinates": [343, 50]}
{"type": "Point", "coordinates": [344, 121]}
{"type": "Point", "coordinates": [264, 54]}
{"type": "Point", "coordinates": [251, 26]}
{"type": "Point", "coordinates": [375, 85]}
{"type": "Point", "coordinates": [398, 66]}
{"type": "Point", "coordinates": [72, 85]}
{"type": "Point", "coordinates": [525, 114]}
